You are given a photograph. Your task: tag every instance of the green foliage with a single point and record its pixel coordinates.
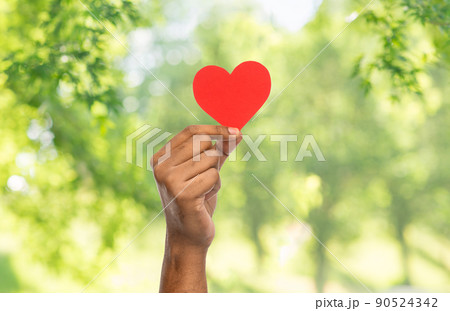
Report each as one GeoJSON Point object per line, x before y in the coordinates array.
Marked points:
{"type": "Point", "coordinates": [58, 46]}
{"type": "Point", "coordinates": [61, 81]}
{"type": "Point", "coordinates": [403, 54]}
{"type": "Point", "coordinates": [379, 121]}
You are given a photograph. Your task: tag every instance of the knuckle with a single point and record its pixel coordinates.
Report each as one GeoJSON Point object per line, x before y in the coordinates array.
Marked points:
{"type": "Point", "coordinates": [192, 129]}
{"type": "Point", "coordinates": [171, 179]}
{"type": "Point", "coordinates": [215, 174]}
{"type": "Point", "coordinates": [181, 147]}
{"type": "Point", "coordinates": [201, 138]}
{"type": "Point", "coordinates": [172, 189]}
{"type": "Point", "coordinates": [183, 197]}
{"type": "Point", "coordinates": [159, 174]}
{"type": "Point", "coordinates": [221, 130]}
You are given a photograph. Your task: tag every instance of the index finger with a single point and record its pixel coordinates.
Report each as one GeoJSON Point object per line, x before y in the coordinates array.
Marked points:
{"type": "Point", "coordinates": [212, 130]}
{"type": "Point", "coordinates": [215, 131]}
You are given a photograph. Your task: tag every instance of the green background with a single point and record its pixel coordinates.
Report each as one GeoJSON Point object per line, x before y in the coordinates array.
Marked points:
{"type": "Point", "coordinates": [376, 101]}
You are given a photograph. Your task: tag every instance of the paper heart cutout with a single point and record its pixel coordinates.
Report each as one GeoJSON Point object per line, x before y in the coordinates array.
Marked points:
{"type": "Point", "coordinates": [232, 99]}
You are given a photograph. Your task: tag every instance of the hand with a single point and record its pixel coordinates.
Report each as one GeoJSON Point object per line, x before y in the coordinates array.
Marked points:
{"type": "Point", "coordinates": [187, 175]}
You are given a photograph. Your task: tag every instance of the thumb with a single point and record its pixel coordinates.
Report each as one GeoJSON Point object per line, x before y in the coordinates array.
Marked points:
{"type": "Point", "coordinates": [226, 147]}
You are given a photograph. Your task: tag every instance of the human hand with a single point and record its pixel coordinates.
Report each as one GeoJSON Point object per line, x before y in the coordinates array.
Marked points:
{"type": "Point", "coordinates": [187, 175]}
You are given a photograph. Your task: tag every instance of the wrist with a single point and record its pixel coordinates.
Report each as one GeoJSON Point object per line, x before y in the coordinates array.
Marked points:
{"type": "Point", "coordinates": [183, 268]}
{"type": "Point", "coordinates": [185, 242]}
{"type": "Point", "coordinates": [182, 253]}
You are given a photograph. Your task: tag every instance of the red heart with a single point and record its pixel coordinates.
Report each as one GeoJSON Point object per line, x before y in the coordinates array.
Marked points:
{"type": "Point", "coordinates": [232, 99]}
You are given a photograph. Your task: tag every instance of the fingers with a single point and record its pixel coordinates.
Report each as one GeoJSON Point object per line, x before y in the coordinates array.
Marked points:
{"type": "Point", "coordinates": [191, 148]}
{"type": "Point", "coordinates": [205, 182]}
{"type": "Point", "coordinates": [227, 146]}
{"type": "Point", "coordinates": [212, 194]}
{"type": "Point", "coordinates": [191, 160]}
{"type": "Point", "coordinates": [187, 190]}
{"type": "Point", "coordinates": [211, 130]}
{"type": "Point", "coordinates": [196, 188]}
{"type": "Point", "coordinates": [190, 136]}
{"type": "Point", "coordinates": [198, 149]}
{"type": "Point", "coordinates": [206, 160]}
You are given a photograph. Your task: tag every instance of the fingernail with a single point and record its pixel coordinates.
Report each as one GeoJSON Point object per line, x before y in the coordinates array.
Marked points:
{"type": "Point", "coordinates": [233, 131]}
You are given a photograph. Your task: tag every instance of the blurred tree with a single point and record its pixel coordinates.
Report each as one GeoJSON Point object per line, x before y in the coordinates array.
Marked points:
{"type": "Point", "coordinates": [70, 96]}
{"type": "Point", "coordinates": [61, 86]}
{"type": "Point", "coordinates": [413, 43]}
{"type": "Point", "coordinates": [402, 53]}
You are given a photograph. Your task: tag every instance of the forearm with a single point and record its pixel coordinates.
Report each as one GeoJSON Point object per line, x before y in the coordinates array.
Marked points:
{"type": "Point", "coordinates": [183, 269]}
